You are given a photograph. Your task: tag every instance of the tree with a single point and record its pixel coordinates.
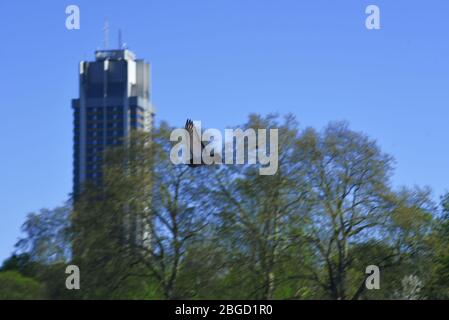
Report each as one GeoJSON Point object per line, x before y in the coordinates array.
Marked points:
{"type": "Point", "coordinates": [47, 239]}
{"type": "Point", "coordinates": [133, 230]}
{"type": "Point", "coordinates": [44, 251]}
{"type": "Point", "coordinates": [438, 285]}
{"type": "Point", "coordinates": [21, 263]}
{"type": "Point", "coordinates": [109, 224]}
{"type": "Point", "coordinates": [255, 211]}
{"type": "Point", "coordinates": [348, 178]}
{"type": "Point", "coordinates": [410, 289]}
{"type": "Point", "coordinates": [177, 216]}
{"type": "Point", "coordinates": [399, 247]}
{"type": "Point", "coordinates": [14, 286]}
{"type": "Point", "coordinates": [151, 229]}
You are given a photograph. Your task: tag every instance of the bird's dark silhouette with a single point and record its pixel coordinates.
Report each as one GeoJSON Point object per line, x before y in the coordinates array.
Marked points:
{"type": "Point", "coordinates": [195, 137]}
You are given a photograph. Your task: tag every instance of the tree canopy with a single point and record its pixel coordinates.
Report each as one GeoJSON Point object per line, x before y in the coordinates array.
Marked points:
{"type": "Point", "coordinates": [155, 230]}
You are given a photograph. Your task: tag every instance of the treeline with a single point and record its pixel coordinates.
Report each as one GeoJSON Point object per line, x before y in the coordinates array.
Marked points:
{"type": "Point", "coordinates": [155, 230]}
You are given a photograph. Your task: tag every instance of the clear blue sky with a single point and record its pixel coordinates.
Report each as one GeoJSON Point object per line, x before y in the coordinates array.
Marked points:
{"type": "Point", "coordinates": [217, 61]}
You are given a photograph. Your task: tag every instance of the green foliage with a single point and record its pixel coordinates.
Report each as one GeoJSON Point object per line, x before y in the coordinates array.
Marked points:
{"type": "Point", "coordinates": [14, 286]}
{"type": "Point", "coordinates": [438, 284]}
{"type": "Point", "coordinates": [21, 263]}
{"type": "Point", "coordinates": [47, 236]}
{"type": "Point", "coordinates": [154, 230]}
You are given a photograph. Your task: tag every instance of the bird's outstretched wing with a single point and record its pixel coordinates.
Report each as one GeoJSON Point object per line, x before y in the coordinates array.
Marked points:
{"type": "Point", "coordinates": [195, 138]}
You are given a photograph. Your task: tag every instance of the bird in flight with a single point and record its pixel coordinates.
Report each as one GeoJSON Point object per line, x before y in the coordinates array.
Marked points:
{"type": "Point", "coordinates": [195, 138]}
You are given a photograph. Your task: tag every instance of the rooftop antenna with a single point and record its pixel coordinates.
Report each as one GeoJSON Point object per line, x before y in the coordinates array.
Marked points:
{"type": "Point", "coordinates": [106, 34]}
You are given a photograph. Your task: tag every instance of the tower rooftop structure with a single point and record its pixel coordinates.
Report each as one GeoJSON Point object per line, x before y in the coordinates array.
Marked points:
{"type": "Point", "coordinates": [114, 99]}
